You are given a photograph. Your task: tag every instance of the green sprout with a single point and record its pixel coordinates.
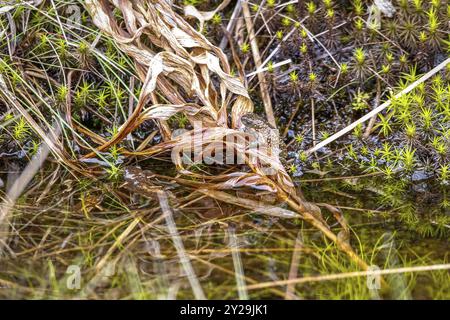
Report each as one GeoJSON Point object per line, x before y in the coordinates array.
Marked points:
{"type": "Point", "coordinates": [358, 131]}
{"type": "Point", "coordinates": [303, 156]}
{"type": "Point", "coordinates": [293, 169]}
{"type": "Point", "coordinates": [245, 48]}
{"type": "Point", "coordinates": [351, 153]}
{"type": "Point", "coordinates": [299, 138]}
{"type": "Point", "coordinates": [364, 150]}
{"type": "Point", "coordinates": [385, 68]}
{"type": "Point", "coordinates": [439, 145]}
{"type": "Point", "coordinates": [387, 152]}
{"type": "Point", "coordinates": [270, 67]}
{"type": "Point", "coordinates": [328, 3]}
{"type": "Point", "coordinates": [372, 165]}
{"type": "Point", "coordinates": [436, 3]}
{"type": "Point", "coordinates": [84, 50]}
{"type": "Point", "coordinates": [388, 172]}
{"type": "Point", "coordinates": [279, 35]}
{"type": "Point", "coordinates": [21, 129]}
{"type": "Point", "coordinates": [303, 33]}
{"type": "Point", "coordinates": [191, 2]}
{"type": "Point", "coordinates": [217, 19]}
{"type": "Point", "coordinates": [384, 125]}
{"type": "Point", "coordinates": [293, 76]}
{"type": "Point", "coordinates": [8, 117]}
{"type": "Point", "coordinates": [270, 3]}
{"type": "Point", "coordinates": [61, 94]}
{"type": "Point", "coordinates": [444, 173]}
{"type": "Point", "coordinates": [403, 59]}
{"type": "Point", "coordinates": [330, 13]}
{"type": "Point", "coordinates": [290, 8]}
{"type": "Point", "coordinates": [418, 5]}
{"type": "Point", "coordinates": [43, 42]}
{"type": "Point", "coordinates": [358, 7]}
{"type": "Point", "coordinates": [410, 130]}
{"type": "Point", "coordinates": [433, 22]}
{"type": "Point", "coordinates": [422, 37]}
{"type": "Point", "coordinates": [359, 24]}
{"type": "Point", "coordinates": [102, 98]}
{"type": "Point", "coordinates": [389, 57]}
{"type": "Point", "coordinates": [324, 135]}
{"type": "Point", "coordinates": [311, 7]}
{"type": "Point", "coordinates": [62, 50]}
{"type": "Point", "coordinates": [360, 100]}
{"type": "Point", "coordinates": [82, 94]}
{"type": "Point", "coordinates": [360, 56]}
{"type": "Point", "coordinates": [34, 148]}
{"type": "Point", "coordinates": [427, 117]}
{"type": "Point", "coordinates": [408, 158]}
{"type": "Point", "coordinates": [303, 48]}
{"type": "Point", "coordinates": [286, 22]}
{"type": "Point", "coordinates": [344, 68]}
{"type": "Point", "coordinates": [115, 152]}
{"type": "Point", "coordinates": [113, 172]}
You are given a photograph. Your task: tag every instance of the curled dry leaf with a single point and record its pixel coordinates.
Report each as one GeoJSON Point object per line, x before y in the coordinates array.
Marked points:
{"type": "Point", "coordinates": [202, 16]}
{"type": "Point", "coordinates": [175, 60]}
{"type": "Point", "coordinates": [185, 59]}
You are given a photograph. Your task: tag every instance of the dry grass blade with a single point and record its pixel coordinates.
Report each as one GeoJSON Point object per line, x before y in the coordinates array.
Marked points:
{"type": "Point", "coordinates": [293, 269]}
{"type": "Point", "coordinates": [101, 264]}
{"type": "Point", "coordinates": [257, 57]}
{"type": "Point", "coordinates": [237, 262]}
{"type": "Point", "coordinates": [178, 243]}
{"type": "Point", "coordinates": [330, 277]}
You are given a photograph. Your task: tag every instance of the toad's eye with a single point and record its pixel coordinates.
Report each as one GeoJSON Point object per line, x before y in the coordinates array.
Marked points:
{"type": "Point", "coordinates": [245, 121]}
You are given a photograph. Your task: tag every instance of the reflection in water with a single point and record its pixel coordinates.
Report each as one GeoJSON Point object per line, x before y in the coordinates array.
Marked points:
{"type": "Point", "coordinates": [119, 239]}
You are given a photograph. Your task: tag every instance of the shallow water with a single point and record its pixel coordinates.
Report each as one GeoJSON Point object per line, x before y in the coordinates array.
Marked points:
{"type": "Point", "coordinates": [120, 245]}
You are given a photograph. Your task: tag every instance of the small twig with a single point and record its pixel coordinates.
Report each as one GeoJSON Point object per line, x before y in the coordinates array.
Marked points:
{"type": "Point", "coordinates": [178, 243]}
{"type": "Point", "coordinates": [297, 107]}
{"type": "Point", "coordinates": [237, 262]}
{"type": "Point", "coordinates": [282, 5]}
{"type": "Point", "coordinates": [374, 118]}
{"type": "Point", "coordinates": [119, 241]}
{"type": "Point", "coordinates": [231, 24]}
{"type": "Point", "coordinates": [276, 65]}
{"type": "Point", "coordinates": [346, 275]}
{"type": "Point", "coordinates": [293, 270]}
{"type": "Point", "coordinates": [313, 120]}
{"type": "Point", "coordinates": [257, 58]}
